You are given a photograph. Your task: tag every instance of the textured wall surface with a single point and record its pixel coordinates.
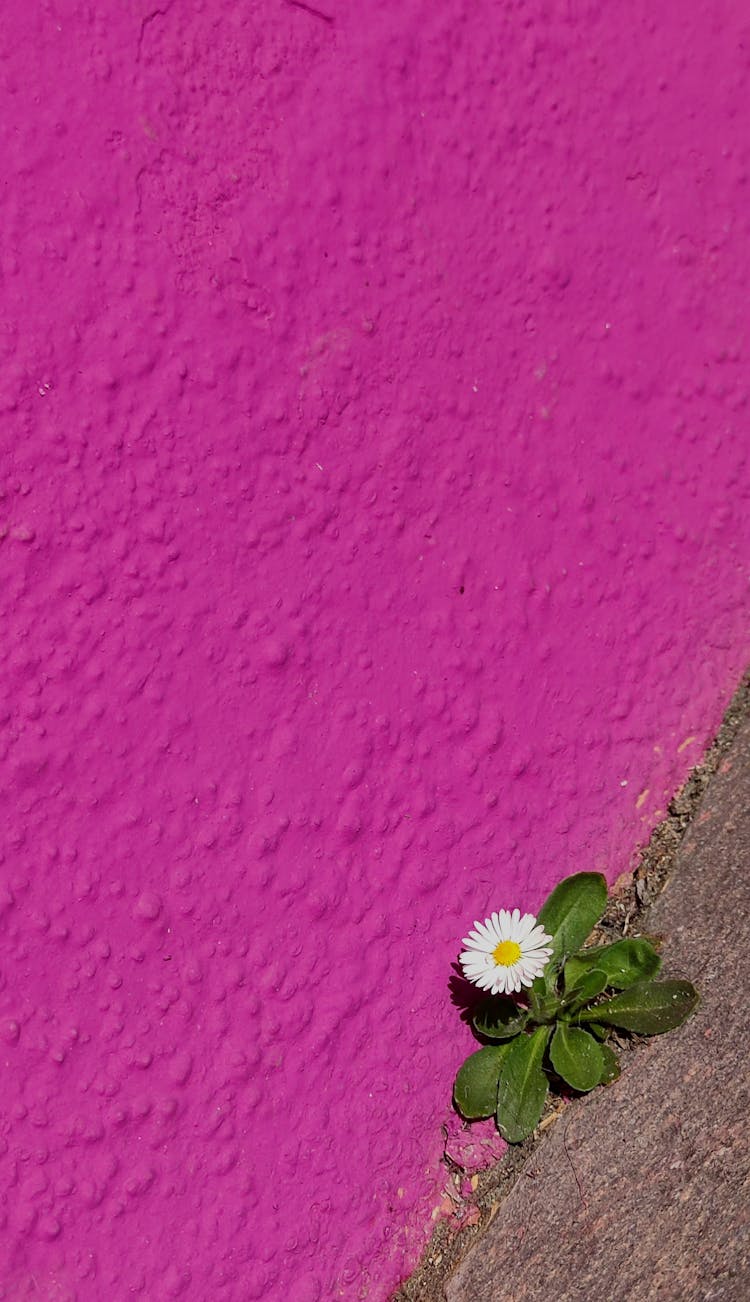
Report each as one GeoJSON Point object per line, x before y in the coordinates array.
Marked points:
{"type": "Point", "coordinates": [374, 541]}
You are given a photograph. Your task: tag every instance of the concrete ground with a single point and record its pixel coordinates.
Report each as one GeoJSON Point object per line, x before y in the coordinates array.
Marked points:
{"type": "Point", "coordinates": [642, 1190]}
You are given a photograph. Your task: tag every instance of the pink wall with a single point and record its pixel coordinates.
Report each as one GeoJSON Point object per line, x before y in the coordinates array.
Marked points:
{"type": "Point", "coordinates": [375, 534]}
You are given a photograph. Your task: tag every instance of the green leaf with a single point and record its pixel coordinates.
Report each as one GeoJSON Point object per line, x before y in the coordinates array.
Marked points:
{"type": "Point", "coordinates": [591, 984]}
{"type": "Point", "coordinates": [648, 1008]}
{"type": "Point", "coordinates": [544, 1002]}
{"type": "Point", "coordinates": [576, 1056]}
{"type": "Point", "coordinates": [499, 1018]}
{"type": "Point", "coordinates": [625, 962]}
{"type": "Point", "coordinates": [571, 912]}
{"type": "Point", "coordinates": [475, 1089]}
{"type": "Point", "coordinates": [523, 1086]}
{"type": "Point", "coordinates": [543, 1010]}
{"type": "Point", "coordinates": [601, 1032]}
{"type": "Point", "coordinates": [537, 996]}
{"type": "Point", "coordinates": [611, 1065]}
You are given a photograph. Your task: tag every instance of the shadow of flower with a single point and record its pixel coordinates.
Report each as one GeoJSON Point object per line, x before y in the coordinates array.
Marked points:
{"type": "Point", "coordinates": [464, 995]}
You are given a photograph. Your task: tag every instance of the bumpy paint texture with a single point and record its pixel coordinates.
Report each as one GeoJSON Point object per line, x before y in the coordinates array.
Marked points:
{"type": "Point", "coordinates": [374, 542]}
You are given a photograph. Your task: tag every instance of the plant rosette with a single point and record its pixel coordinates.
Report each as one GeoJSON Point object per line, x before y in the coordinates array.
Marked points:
{"type": "Point", "coordinates": [553, 1003]}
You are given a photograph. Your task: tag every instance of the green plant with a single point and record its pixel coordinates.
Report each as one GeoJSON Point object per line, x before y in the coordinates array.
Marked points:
{"type": "Point", "coordinates": [557, 1025]}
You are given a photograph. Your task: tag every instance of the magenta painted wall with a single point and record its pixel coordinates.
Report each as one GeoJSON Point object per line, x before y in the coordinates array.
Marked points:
{"type": "Point", "coordinates": [375, 534]}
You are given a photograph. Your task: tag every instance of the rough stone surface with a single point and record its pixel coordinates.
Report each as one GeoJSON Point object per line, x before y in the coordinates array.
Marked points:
{"type": "Point", "coordinates": [374, 535]}
{"type": "Point", "coordinates": [643, 1189]}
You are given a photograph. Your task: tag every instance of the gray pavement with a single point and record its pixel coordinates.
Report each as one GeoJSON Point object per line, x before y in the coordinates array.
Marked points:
{"type": "Point", "coordinates": [642, 1190]}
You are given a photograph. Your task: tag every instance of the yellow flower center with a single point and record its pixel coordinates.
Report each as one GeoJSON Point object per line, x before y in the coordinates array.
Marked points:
{"type": "Point", "coordinates": [507, 953]}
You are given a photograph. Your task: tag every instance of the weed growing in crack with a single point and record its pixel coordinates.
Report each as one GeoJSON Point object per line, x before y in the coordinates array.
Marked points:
{"type": "Point", "coordinates": [553, 1004]}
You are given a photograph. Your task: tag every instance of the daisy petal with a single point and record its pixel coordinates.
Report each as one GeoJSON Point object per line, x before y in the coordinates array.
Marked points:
{"type": "Point", "coordinates": [525, 926]}
{"type": "Point", "coordinates": [538, 936]}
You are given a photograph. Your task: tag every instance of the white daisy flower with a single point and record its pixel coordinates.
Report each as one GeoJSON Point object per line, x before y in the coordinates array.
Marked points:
{"type": "Point", "coordinates": [505, 952]}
